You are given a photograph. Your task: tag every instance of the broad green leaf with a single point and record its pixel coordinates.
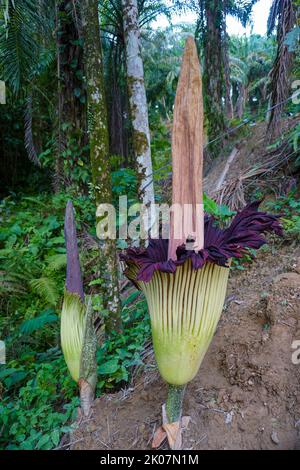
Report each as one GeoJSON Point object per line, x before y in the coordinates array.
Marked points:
{"type": "Point", "coordinates": [109, 367]}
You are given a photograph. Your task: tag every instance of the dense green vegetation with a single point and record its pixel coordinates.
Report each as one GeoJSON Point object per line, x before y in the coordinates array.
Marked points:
{"type": "Point", "coordinates": [38, 397]}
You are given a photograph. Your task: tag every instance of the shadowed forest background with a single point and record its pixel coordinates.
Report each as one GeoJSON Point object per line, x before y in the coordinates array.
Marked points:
{"type": "Point", "coordinates": [73, 127]}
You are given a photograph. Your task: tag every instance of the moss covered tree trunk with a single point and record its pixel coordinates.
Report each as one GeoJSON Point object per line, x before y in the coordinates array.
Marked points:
{"type": "Point", "coordinates": [138, 107]}
{"type": "Point", "coordinates": [99, 155]}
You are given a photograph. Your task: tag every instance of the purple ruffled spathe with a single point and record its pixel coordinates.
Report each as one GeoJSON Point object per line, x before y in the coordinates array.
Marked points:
{"type": "Point", "coordinates": [246, 231]}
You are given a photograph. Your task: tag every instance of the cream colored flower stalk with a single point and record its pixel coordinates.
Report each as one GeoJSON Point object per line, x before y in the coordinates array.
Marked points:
{"type": "Point", "coordinates": [78, 338]}
{"type": "Point", "coordinates": [185, 281]}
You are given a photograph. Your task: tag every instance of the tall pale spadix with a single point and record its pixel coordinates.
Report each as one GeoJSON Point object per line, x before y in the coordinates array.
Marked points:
{"type": "Point", "coordinates": [185, 282]}
{"type": "Point", "coordinates": [187, 218]}
{"type": "Point", "coordinates": [78, 338]}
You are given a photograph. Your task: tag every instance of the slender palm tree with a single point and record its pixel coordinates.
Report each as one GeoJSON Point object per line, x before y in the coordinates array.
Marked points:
{"type": "Point", "coordinates": [251, 60]}
{"type": "Point", "coordinates": [211, 30]}
{"type": "Point", "coordinates": [283, 14]}
{"type": "Point", "coordinates": [28, 47]}
{"type": "Point", "coordinates": [26, 51]}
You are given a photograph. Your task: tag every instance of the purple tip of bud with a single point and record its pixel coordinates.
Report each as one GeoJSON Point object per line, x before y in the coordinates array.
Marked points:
{"type": "Point", "coordinates": [246, 231]}
{"type": "Point", "coordinates": [74, 280]}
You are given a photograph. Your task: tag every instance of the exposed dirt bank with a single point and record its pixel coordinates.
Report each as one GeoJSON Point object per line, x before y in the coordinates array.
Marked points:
{"type": "Point", "coordinates": [247, 392]}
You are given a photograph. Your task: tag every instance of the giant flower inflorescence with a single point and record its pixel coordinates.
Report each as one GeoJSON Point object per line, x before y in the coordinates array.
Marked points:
{"type": "Point", "coordinates": [220, 245]}
{"type": "Point", "coordinates": [78, 338]}
{"type": "Point", "coordinates": [185, 279]}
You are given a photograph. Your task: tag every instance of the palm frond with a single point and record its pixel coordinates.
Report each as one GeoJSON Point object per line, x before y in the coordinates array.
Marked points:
{"type": "Point", "coordinates": [29, 144]}
{"type": "Point", "coordinates": [258, 83]}
{"type": "Point", "coordinates": [21, 41]}
{"type": "Point", "coordinates": [241, 9]}
{"type": "Point", "coordinates": [273, 15]}
{"type": "Point", "coordinates": [18, 47]}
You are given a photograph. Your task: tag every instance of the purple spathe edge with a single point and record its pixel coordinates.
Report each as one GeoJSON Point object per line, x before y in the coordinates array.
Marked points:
{"type": "Point", "coordinates": [246, 231]}
{"type": "Point", "coordinates": [74, 282]}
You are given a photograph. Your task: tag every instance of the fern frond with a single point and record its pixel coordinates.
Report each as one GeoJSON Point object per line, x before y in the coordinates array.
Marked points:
{"type": "Point", "coordinates": [46, 288]}
{"type": "Point", "coordinates": [11, 285]}
{"type": "Point", "coordinates": [56, 262]}
{"type": "Point", "coordinates": [34, 324]}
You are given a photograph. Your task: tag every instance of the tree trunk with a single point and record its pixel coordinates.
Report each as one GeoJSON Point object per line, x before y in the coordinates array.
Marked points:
{"type": "Point", "coordinates": [214, 76]}
{"type": "Point", "coordinates": [138, 108]}
{"type": "Point", "coordinates": [71, 93]}
{"type": "Point", "coordinates": [241, 101]}
{"type": "Point", "coordinates": [281, 71]}
{"type": "Point", "coordinates": [117, 99]}
{"type": "Point", "coordinates": [228, 96]}
{"type": "Point", "coordinates": [99, 155]}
